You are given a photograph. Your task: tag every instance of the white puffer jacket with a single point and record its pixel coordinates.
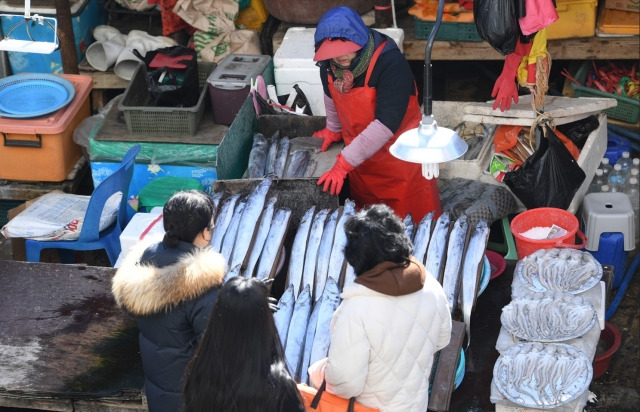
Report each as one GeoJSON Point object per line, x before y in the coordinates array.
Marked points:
{"type": "Point", "coordinates": [382, 346]}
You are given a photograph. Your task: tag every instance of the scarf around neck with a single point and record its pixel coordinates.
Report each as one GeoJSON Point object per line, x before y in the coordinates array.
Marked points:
{"type": "Point", "coordinates": [344, 77]}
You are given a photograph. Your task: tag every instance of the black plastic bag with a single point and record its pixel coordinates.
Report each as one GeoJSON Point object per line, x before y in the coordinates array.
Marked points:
{"type": "Point", "coordinates": [580, 130]}
{"type": "Point", "coordinates": [174, 84]}
{"type": "Point", "coordinates": [548, 178]}
{"type": "Point", "coordinates": [300, 101]}
{"type": "Point", "coordinates": [497, 23]}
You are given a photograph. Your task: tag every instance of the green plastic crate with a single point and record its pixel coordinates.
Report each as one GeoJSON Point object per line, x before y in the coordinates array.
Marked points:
{"type": "Point", "coordinates": [162, 121]}
{"type": "Point", "coordinates": [627, 110]}
{"type": "Point", "coordinates": [447, 31]}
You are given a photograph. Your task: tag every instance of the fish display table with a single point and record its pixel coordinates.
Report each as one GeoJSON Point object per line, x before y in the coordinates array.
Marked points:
{"type": "Point", "coordinates": [586, 343]}
{"type": "Point", "coordinates": [64, 344]}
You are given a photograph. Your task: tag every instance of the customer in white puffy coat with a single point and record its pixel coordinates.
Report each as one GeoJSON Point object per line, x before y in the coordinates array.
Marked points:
{"type": "Point", "coordinates": [391, 322]}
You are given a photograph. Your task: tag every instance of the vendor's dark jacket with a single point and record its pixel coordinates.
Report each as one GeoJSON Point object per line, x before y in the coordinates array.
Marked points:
{"type": "Point", "coordinates": [170, 291]}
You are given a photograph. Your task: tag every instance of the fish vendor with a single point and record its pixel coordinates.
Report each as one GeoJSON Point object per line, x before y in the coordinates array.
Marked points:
{"type": "Point", "coordinates": [371, 98]}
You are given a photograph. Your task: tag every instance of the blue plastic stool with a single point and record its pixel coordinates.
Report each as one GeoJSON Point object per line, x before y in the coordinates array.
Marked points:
{"type": "Point", "coordinates": [508, 246]}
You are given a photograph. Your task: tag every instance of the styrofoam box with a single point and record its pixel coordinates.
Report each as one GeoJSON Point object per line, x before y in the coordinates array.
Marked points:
{"type": "Point", "coordinates": [293, 64]}
{"type": "Point", "coordinates": [151, 223]}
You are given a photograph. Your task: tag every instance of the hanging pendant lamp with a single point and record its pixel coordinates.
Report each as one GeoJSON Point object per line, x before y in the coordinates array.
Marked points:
{"type": "Point", "coordinates": [429, 144]}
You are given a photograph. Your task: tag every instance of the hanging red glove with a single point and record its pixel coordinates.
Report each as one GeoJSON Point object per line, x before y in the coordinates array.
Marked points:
{"type": "Point", "coordinates": [328, 137]}
{"type": "Point", "coordinates": [334, 178]}
{"type": "Point", "coordinates": [506, 88]}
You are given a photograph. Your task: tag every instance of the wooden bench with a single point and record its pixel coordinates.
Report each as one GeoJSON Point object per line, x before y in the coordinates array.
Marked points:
{"type": "Point", "coordinates": [443, 380]}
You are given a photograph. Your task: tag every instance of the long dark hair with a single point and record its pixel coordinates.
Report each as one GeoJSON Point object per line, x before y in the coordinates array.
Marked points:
{"type": "Point", "coordinates": [375, 235]}
{"type": "Point", "coordinates": [186, 214]}
{"type": "Point", "coordinates": [239, 364]}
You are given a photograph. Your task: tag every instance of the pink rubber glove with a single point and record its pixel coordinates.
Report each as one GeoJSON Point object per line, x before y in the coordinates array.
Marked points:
{"type": "Point", "coordinates": [506, 88]}
{"type": "Point", "coordinates": [328, 137]}
{"type": "Point", "coordinates": [334, 178]}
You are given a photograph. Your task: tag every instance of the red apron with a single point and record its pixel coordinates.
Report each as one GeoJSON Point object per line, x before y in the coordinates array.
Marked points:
{"type": "Point", "coordinates": [384, 178]}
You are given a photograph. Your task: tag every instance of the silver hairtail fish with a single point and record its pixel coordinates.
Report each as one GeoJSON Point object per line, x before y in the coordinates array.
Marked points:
{"type": "Point", "coordinates": [437, 248]}
{"type": "Point", "coordinates": [296, 257]}
{"type": "Point", "coordinates": [281, 156]}
{"type": "Point", "coordinates": [229, 239]}
{"type": "Point", "coordinates": [472, 271]}
{"type": "Point", "coordinates": [270, 164]}
{"type": "Point", "coordinates": [311, 254]}
{"type": "Point", "coordinates": [336, 263]}
{"type": "Point", "coordinates": [421, 237]}
{"type": "Point", "coordinates": [324, 253]}
{"type": "Point", "coordinates": [273, 244]}
{"type": "Point", "coordinates": [408, 226]}
{"type": "Point", "coordinates": [261, 236]}
{"type": "Point", "coordinates": [282, 317]}
{"type": "Point", "coordinates": [455, 251]}
{"type": "Point", "coordinates": [329, 303]}
{"type": "Point", "coordinates": [249, 222]}
{"type": "Point", "coordinates": [294, 349]}
{"type": "Point", "coordinates": [308, 340]}
{"type": "Point", "coordinates": [258, 156]}
{"type": "Point", "coordinates": [298, 162]}
{"type": "Point", "coordinates": [222, 221]}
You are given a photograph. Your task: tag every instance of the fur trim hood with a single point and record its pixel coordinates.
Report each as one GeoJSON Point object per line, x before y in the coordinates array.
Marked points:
{"type": "Point", "coordinates": [146, 290]}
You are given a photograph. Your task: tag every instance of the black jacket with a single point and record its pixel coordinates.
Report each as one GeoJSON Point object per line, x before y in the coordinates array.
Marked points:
{"type": "Point", "coordinates": [170, 292]}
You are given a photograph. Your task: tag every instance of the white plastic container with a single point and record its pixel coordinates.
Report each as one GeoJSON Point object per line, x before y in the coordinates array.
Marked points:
{"type": "Point", "coordinates": [293, 64]}
{"type": "Point", "coordinates": [141, 226]}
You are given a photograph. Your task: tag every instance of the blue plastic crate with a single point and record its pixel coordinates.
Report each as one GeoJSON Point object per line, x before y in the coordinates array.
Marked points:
{"type": "Point", "coordinates": [85, 16]}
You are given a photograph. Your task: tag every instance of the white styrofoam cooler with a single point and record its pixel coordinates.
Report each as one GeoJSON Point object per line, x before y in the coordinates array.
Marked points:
{"type": "Point", "coordinates": [293, 64]}
{"type": "Point", "coordinates": [141, 225]}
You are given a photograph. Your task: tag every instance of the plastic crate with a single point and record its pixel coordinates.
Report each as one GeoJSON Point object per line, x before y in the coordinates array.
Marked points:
{"type": "Point", "coordinates": [447, 30]}
{"type": "Point", "coordinates": [627, 110]}
{"type": "Point", "coordinates": [162, 121]}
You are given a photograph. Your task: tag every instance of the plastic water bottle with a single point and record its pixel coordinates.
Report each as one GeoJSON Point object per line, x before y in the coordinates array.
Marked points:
{"type": "Point", "coordinates": [596, 182]}
{"type": "Point", "coordinates": [633, 191]}
{"type": "Point", "coordinates": [632, 173]}
{"type": "Point", "coordinates": [625, 162]}
{"type": "Point", "coordinates": [604, 188]}
{"type": "Point", "coordinates": [606, 168]}
{"type": "Point", "coordinates": [617, 179]}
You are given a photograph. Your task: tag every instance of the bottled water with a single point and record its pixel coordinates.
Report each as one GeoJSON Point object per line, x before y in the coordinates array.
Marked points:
{"type": "Point", "coordinates": [606, 168]}
{"type": "Point", "coordinates": [605, 188]}
{"type": "Point", "coordinates": [625, 162]}
{"type": "Point", "coordinates": [596, 182]}
{"type": "Point", "coordinates": [632, 173]}
{"type": "Point", "coordinates": [633, 191]}
{"type": "Point", "coordinates": [617, 179]}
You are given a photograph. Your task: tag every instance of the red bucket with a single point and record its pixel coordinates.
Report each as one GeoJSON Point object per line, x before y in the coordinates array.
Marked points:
{"type": "Point", "coordinates": [545, 217]}
{"type": "Point", "coordinates": [612, 339]}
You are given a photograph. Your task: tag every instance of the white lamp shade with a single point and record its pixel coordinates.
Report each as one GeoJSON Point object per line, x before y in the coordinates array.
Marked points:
{"type": "Point", "coordinates": [428, 143]}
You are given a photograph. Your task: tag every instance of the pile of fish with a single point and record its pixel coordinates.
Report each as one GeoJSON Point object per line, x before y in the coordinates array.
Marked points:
{"type": "Point", "coordinates": [537, 375]}
{"type": "Point", "coordinates": [316, 270]}
{"type": "Point", "coordinates": [548, 317]}
{"type": "Point", "coordinates": [249, 231]}
{"type": "Point", "coordinates": [453, 253]}
{"type": "Point", "coordinates": [271, 157]}
{"type": "Point", "coordinates": [559, 270]}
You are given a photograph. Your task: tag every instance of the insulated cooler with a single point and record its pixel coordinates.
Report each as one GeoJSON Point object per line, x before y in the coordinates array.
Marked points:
{"type": "Point", "coordinates": [230, 82]}
{"type": "Point", "coordinates": [42, 148]}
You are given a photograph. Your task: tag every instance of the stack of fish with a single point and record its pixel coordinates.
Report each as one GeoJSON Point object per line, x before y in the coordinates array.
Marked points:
{"type": "Point", "coordinates": [271, 157]}
{"type": "Point", "coordinates": [317, 267]}
{"type": "Point", "coordinates": [249, 231]}
{"type": "Point", "coordinates": [453, 253]}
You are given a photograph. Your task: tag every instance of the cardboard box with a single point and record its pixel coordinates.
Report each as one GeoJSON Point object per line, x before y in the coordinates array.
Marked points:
{"type": "Point", "coordinates": [625, 5]}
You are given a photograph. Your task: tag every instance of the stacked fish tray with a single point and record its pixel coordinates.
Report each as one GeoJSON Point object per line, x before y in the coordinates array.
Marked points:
{"type": "Point", "coordinates": [550, 331]}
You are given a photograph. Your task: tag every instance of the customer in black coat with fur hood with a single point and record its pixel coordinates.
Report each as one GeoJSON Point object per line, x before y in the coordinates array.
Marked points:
{"type": "Point", "coordinates": [170, 288]}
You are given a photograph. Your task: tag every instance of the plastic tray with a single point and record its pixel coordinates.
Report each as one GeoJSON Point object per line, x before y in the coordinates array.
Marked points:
{"type": "Point", "coordinates": [627, 110]}
{"type": "Point", "coordinates": [447, 30]}
{"type": "Point", "coordinates": [162, 121]}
